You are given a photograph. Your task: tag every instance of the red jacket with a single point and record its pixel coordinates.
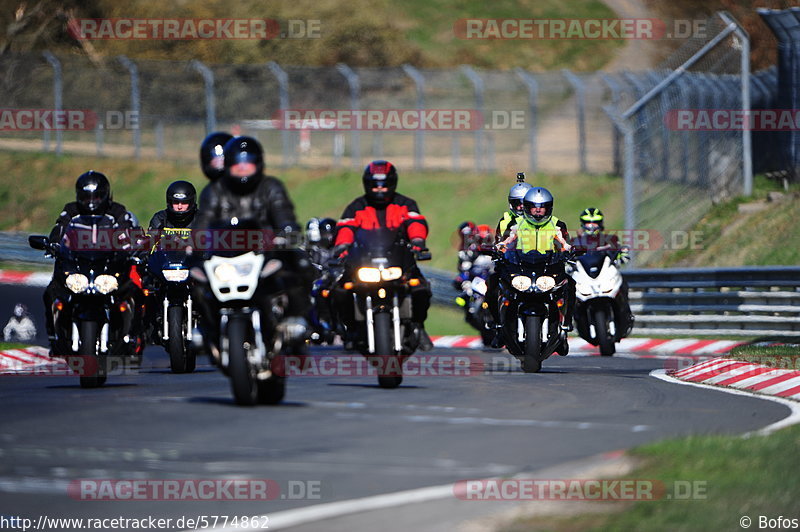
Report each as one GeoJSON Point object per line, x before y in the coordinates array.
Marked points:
{"type": "Point", "coordinates": [401, 214]}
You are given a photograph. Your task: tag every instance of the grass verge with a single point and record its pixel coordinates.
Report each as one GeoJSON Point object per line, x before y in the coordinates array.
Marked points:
{"type": "Point", "coordinates": [730, 477]}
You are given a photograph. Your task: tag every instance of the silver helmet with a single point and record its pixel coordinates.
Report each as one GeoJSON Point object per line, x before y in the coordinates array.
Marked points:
{"type": "Point", "coordinates": [538, 197]}
{"type": "Point", "coordinates": [516, 195]}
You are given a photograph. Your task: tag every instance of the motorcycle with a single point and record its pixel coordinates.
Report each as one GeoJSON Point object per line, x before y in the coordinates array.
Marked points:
{"type": "Point", "coordinates": [322, 313]}
{"type": "Point", "coordinates": [98, 316]}
{"type": "Point", "coordinates": [602, 313]}
{"type": "Point", "coordinates": [473, 297]}
{"type": "Point", "coordinates": [174, 315]}
{"type": "Point", "coordinates": [379, 275]}
{"type": "Point", "coordinates": [241, 305]}
{"type": "Point", "coordinates": [533, 293]}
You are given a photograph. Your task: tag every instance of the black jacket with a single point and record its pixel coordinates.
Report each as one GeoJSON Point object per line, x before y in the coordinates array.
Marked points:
{"type": "Point", "coordinates": [116, 211]}
{"type": "Point", "coordinates": [160, 220]}
{"type": "Point", "coordinates": [268, 204]}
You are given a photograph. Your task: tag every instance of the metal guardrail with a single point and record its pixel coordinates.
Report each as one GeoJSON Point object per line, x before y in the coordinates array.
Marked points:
{"type": "Point", "coordinates": [746, 301]}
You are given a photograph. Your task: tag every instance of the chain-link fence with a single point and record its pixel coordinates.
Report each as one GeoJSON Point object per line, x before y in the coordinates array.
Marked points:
{"type": "Point", "coordinates": [676, 159]}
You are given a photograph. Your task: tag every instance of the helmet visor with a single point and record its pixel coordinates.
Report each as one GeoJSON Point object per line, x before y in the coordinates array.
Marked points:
{"type": "Point", "coordinates": [515, 204]}
{"type": "Point", "coordinates": [591, 228]}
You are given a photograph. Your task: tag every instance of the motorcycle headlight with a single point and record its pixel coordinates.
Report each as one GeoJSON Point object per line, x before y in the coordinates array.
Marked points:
{"type": "Point", "coordinates": [545, 283]}
{"type": "Point", "coordinates": [369, 275]}
{"type": "Point", "coordinates": [225, 272]}
{"type": "Point", "coordinates": [390, 274]}
{"type": "Point", "coordinates": [521, 282]}
{"type": "Point", "coordinates": [77, 282]}
{"type": "Point", "coordinates": [175, 275]}
{"type": "Point", "coordinates": [106, 283]}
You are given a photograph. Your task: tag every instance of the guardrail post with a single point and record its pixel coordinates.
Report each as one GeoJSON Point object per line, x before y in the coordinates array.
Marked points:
{"type": "Point", "coordinates": [283, 103]}
{"type": "Point", "coordinates": [208, 85]}
{"type": "Point", "coordinates": [615, 135]}
{"type": "Point", "coordinates": [478, 86]}
{"type": "Point", "coordinates": [580, 93]}
{"type": "Point", "coordinates": [135, 103]}
{"type": "Point", "coordinates": [354, 84]}
{"type": "Point", "coordinates": [419, 134]}
{"type": "Point", "coordinates": [58, 89]}
{"type": "Point", "coordinates": [533, 97]}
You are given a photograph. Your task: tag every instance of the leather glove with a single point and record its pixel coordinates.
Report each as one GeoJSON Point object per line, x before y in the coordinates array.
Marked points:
{"type": "Point", "coordinates": [418, 244]}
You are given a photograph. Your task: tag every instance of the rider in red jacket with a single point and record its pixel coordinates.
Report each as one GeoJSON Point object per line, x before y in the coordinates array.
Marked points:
{"type": "Point", "coordinates": [382, 206]}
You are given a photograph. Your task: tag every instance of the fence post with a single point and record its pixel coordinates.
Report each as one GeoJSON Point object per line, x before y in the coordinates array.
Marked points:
{"type": "Point", "coordinates": [208, 84]}
{"type": "Point", "coordinates": [580, 92]}
{"type": "Point", "coordinates": [747, 162]}
{"type": "Point", "coordinates": [628, 171]}
{"type": "Point", "coordinates": [615, 134]}
{"type": "Point", "coordinates": [98, 136]}
{"type": "Point", "coordinates": [160, 139]}
{"type": "Point", "coordinates": [533, 96]}
{"type": "Point", "coordinates": [135, 103]}
{"type": "Point", "coordinates": [283, 103]}
{"type": "Point", "coordinates": [477, 83]}
{"type": "Point", "coordinates": [419, 138]}
{"type": "Point", "coordinates": [664, 96]}
{"type": "Point", "coordinates": [355, 88]}
{"type": "Point", "coordinates": [58, 89]}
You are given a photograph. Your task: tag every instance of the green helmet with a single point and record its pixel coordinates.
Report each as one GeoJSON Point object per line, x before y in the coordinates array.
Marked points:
{"type": "Point", "coordinates": [592, 220]}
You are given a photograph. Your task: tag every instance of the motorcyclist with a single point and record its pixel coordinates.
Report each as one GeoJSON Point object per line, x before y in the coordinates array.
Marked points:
{"type": "Point", "coordinates": [514, 213]}
{"type": "Point", "coordinates": [20, 327]}
{"type": "Point", "coordinates": [212, 160]}
{"type": "Point", "coordinates": [539, 230]}
{"type": "Point", "coordinates": [592, 237]}
{"type": "Point", "coordinates": [319, 240]}
{"type": "Point", "coordinates": [177, 217]}
{"type": "Point", "coordinates": [467, 250]}
{"type": "Point", "coordinates": [382, 206]}
{"type": "Point", "coordinates": [244, 192]}
{"type": "Point", "coordinates": [92, 197]}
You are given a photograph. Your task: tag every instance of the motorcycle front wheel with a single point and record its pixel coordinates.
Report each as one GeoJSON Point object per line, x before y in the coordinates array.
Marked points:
{"type": "Point", "coordinates": [531, 359]}
{"type": "Point", "coordinates": [604, 340]}
{"type": "Point", "coordinates": [390, 365]}
{"type": "Point", "coordinates": [244, 382]}
{"type": "Point", "coordinates": [93, 368]}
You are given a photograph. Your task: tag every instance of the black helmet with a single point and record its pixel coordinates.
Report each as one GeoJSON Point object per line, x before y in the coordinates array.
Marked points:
{"type": "Point", "coordinates": [93, 193]}
{"type": "Point", "coordinates": [181, 192]}
{"type": "Point", "coordinates": [538, 197]}
{"type": "Point", "coordinates": [243, 150]}
{"type": "Point", "coordinates": [320, 231]}
{"type": "Point", "coordinates": [379, 173]}
{"type": "Point", "coordinates": [211, 160]}
{"type": "Point", "coordinates": [592, 220]}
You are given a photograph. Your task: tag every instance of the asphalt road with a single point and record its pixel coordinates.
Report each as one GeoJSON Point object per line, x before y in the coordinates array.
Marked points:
{"type": "Point", "coordinates": [335, 437]}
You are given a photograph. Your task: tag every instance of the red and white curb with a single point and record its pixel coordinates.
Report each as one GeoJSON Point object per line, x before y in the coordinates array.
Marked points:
{"type": "Point", "coordinates": [683, 346]}
{"type": "Point", "coordinates": [18, 361]}
{"type": "Point", "coordinates": [25, 278]}
{"type": "Point", "coordinates": [743, 376]}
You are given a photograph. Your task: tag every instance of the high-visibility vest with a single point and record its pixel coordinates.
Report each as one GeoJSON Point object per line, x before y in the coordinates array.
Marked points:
{"type": "Point", "coordinates": [506, 221]}
{"type": "Point", "coordinates": [541, 238]}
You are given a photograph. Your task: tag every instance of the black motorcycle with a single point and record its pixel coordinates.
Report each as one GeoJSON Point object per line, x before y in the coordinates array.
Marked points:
{"type": "Point", "coordinates": [473, 297]}
{"type": "Point", "coordinates": [98, 316]}
{"type": "Point", "coordinates": [379, 273]}
{"type": "Point", "coordinates": [241, 304]}
{"type": "Point", "coordinates": [533, 294]}
{"type": "Point", "coordinates": [171, 304]}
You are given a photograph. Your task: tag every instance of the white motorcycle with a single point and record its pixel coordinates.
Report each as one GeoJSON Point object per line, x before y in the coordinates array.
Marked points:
{"type": "Point", "coordinates": [602, 313]}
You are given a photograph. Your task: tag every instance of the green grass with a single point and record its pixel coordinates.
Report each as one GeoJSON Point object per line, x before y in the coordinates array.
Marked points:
{"type": "Point", "coordinates": [447, 321]}
{"type": "Point", "coordinates": [773, 356]}
{"type": "Point", "coordinates": [741, 477]}
{"type": "Point", "coordinates": [11, 345]}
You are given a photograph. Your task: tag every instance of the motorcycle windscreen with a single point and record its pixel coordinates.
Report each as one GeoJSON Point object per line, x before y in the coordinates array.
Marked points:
{"type": "Point", "coordinates": [234, 237]}
{"type": "Point", "coordinates": [378, 243]}
{"type": "Point", "coordinates": [593, 262]}
{"type": "Point", "coordinates": [94, 238]}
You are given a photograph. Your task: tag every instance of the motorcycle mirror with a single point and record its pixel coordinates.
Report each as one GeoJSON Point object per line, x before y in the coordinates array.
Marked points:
{"type": "Point", "coordinates": [423, 255]}
{"type": "Point", "coordinates": [198, 275]}
{"type": "Point", "coordinates": [38, 242]}
{"type": "Point", "coordinates": [271, 267]}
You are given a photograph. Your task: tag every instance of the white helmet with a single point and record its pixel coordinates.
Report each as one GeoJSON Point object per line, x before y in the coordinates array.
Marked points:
{"type": "Point", "coordinates": [516, 195]}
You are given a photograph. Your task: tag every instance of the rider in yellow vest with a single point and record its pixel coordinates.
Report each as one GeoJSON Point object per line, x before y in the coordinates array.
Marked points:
{"type": "Point", "coordinates": [514, 213]}
{"type": "Point", "coordinates": [541, 231]}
